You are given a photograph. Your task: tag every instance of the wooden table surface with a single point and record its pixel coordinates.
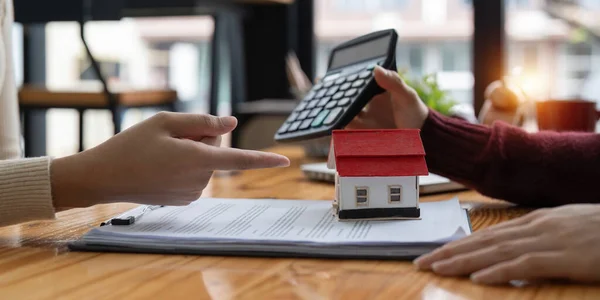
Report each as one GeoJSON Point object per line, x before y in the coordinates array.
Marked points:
{"type": "Point", "coordinates": [36, 264]}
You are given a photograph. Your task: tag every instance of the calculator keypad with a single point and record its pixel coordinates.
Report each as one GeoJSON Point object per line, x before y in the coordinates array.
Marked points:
{"type": "Point", "coordinates": [306, 124]}
{"type": "Point", "coordinates": [284, 127]}
{"type": "Point", "coordinates": [332, 90]}
{"type": "Point", "coordinates": [346, 86]}
{"type": "Point", "coordinates": [294, 126]}
{"type": "Point", "coordinates": [350, 93]}
{"type": "Point", "coordinates": [303, 115]}
{"type": "Point", "coordinates": [338, 95]}
{"type": "Point", "coordinates": [312, 104]}
{"type": "Point", "coordinates": [301, 106]}
{"type": "Point", "coordinates": [364, 74]}
{"type": "Point", "coordinates": [352, 77]}
{"type": "Point", "coordinates": [293, 117]}
{"type": "Point", "coordinates": [320, 94]}
{"type": "Point", "coordinates": [344, 102]}
{"type": "Point", "coordinates": [323, 101]}
{"type": "Point", "coordinates": [326, 102]}
{"type": "Point", "coordinates": [358, 83]}
{"type": "Point", "coordinates": [333, 115]}
{"type": "Point", "coordinates": [318, 121]}
{"type": "Point", "coordinates": [313, 113]}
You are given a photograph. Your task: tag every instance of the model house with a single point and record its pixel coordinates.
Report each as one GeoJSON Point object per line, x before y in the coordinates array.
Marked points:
{"type": "Point", "coordinates": [377, 173]}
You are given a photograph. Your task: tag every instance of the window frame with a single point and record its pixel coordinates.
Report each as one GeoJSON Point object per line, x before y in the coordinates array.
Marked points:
{"type": "Point", "coordinates": [356, 196]}
{"type": "Point", "coordinates": [390, 194]}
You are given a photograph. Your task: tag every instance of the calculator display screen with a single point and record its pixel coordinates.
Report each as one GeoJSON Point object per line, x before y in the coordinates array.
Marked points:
{"type": "Point", "coordinates": [361, 52]}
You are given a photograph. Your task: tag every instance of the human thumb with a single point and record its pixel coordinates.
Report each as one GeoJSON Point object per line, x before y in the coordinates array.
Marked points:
{"type": "Point", "coordinates": [391, 81]}
{"type": "Point", "coordinates": [408, 109]}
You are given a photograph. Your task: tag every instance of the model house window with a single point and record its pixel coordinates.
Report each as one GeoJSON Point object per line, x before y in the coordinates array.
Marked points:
{"type": "Point", "coordinates": [362, 196]}
{"type": "Point", "coordinates": [395, 192]}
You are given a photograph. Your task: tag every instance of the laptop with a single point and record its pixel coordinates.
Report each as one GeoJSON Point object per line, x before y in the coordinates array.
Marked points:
{"type": "Point", "coordinates": [429, 184]}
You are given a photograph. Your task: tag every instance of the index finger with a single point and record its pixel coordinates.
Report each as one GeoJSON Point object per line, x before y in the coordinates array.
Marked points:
{"type": "Point", "coordinates": [228, 159]}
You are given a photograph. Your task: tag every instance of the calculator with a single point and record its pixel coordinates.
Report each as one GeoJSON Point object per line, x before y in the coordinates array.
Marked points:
{"type": "Point", "coordinates": [346, 88]}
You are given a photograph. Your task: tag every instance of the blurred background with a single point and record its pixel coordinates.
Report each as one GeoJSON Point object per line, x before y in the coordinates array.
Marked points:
{"type": "Point", "coordinates": [549, 47]}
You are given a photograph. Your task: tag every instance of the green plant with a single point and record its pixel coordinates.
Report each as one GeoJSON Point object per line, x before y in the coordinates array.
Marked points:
{"type": "Point", "coordinates": [430, 92]}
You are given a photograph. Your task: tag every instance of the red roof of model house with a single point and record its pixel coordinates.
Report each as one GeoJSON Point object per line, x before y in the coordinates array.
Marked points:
{"type": "Point", "coordinates": [363, 153]}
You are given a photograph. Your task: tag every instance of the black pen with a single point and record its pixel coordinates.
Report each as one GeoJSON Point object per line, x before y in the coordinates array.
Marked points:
{"type": "Point", "coordinates": [130, 220]}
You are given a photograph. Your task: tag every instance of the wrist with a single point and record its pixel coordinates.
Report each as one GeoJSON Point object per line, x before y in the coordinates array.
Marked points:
{"type": "Point", "coordinates": [423, 114]}
{"type": "Point", "coordinates": [70, 188]}
{"type": "Point", "coordinates": [411, 115]}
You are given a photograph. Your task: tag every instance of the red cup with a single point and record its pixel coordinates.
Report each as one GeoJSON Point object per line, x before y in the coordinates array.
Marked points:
{"type": "Point", "coordinates": [567, 115]}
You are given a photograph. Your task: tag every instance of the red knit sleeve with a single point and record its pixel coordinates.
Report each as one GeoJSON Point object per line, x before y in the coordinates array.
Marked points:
{"type": "Point", "coordinates": [505, 162]}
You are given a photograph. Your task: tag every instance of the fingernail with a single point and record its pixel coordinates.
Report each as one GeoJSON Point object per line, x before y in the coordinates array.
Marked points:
{"type": "Point", "coordinates": [476, 278]}
{"type": "Point", "coordinates": [440, 266]}
{"type": "Point", "coordinates": [229, 121]}
{"type": "Point", "coordinates": [480, 277]}
{"type": "Point", "coordinates": [418, 261]}
{"type": "Point", "coordinates": [282, 161]}
{"type": "Point", "coordinates": [285, 162]}
{"type": "Point", "coordinates": [381, 69]}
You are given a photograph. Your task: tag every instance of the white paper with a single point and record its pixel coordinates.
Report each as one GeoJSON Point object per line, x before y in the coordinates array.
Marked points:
{"type": "Point", "coordinates": [300, 221]}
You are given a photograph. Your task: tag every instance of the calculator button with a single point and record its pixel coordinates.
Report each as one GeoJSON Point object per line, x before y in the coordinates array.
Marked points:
{"type": "Point", "coordinates": [346, 86]}
{"type": "Point", "coordinates": [331, 104]}
{"type": "Point", "coordinates": [294, 126]}
{"type": "Point", "coordinates": [312, 104]}
{"type": "Point", "coordinates": [344, 102]}
{"type": "Point", "coordinates": [340, 80]}
{"type": "Point", "coordinates": [306, 123]}
{"type": "Point", "coordinates": [338, 96]}
{"type": "Point", "coordinates": [371, 67]}
{"type": "Point", "coordinates": [321, 93]}
{"type": "Point", "coordinates": [310, 95]}
{"type": "Point", "coordinates": [335, 113]}
{"type": "Point", "coordinates": [317, 86]}
{"type": "Point", "coordinates": [314, 112]}
{"type": "Point", "coordinates": [323, 101]}
{"type": "Point", "coordinates": [352, 77]}
{"type": "Point", "coordinates": [284, 127]}
{"type": "Point", "coordinates": [319, 119]}
{"type": "Point", "coordinates": [303, 115]}
{"type": "Point", "coordinates": [349, 93]}
{"type": "Point", "coordinates": [364, 74]}
{"type": "Point", "coordinates": [301, 106]}
{"type": "Point", "coordinates": [328, 84]}
{"type": "Point", "coordinates": [358, 83]}
{"type": "Point", "coordinates": [332, 90]}
{"type": "Point", "coordinates": [293, 117]}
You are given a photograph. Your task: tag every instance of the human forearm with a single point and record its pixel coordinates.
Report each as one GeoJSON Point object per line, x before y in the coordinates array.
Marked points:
{"type": "Point", "coordinates": [504, 162]}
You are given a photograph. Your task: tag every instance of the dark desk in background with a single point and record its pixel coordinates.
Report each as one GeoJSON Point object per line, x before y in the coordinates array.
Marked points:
{"type": "Point", "coordinates": [255, 35]}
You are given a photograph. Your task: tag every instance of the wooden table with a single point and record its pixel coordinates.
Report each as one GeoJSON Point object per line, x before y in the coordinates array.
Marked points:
{"type": "Point", "coordinates": [36, 264]}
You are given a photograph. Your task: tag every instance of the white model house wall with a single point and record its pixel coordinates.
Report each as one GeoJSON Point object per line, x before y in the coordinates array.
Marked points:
{"type": "Point", "coordinates": [378, 191]}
